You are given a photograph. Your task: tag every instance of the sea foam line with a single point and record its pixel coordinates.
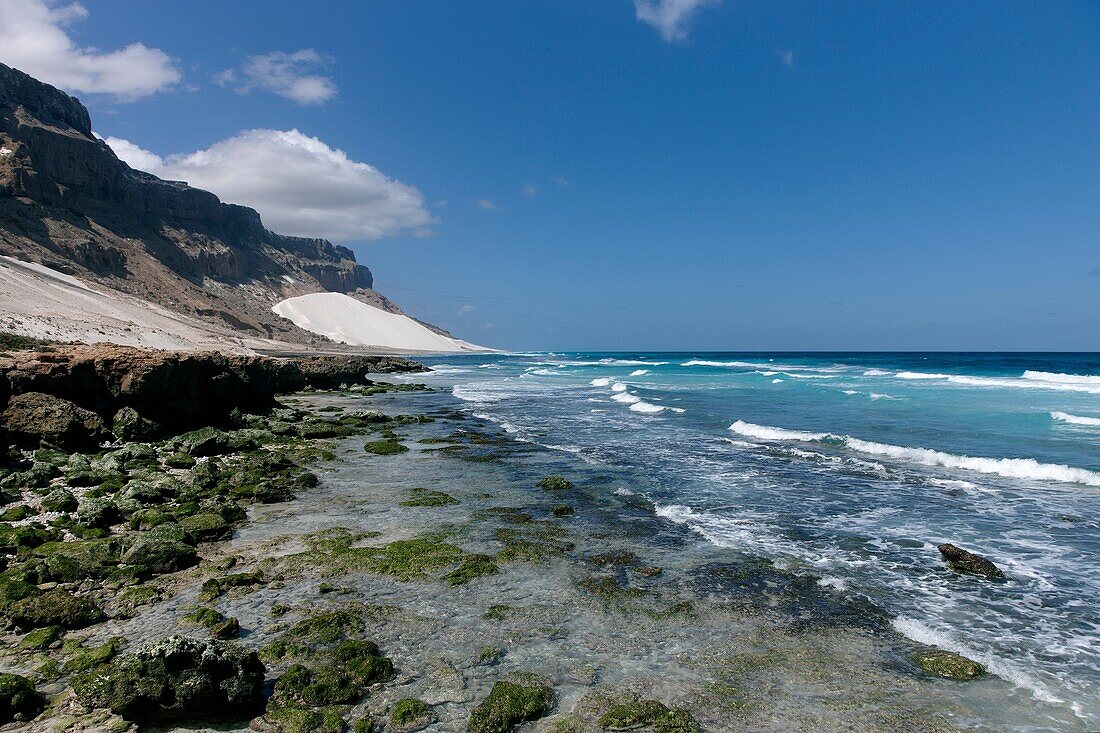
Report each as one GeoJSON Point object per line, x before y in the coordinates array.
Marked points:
{"type": "Point", "coordinates": [1018, 468]}
{"type": "Point", "coordinates": [1076, 419]}
{"type": "Point", "coordinates": [1029, 380]}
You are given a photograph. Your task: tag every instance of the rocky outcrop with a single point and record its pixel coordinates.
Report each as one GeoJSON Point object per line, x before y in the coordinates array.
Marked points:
{"type": "Point", "coordinates": [66, 396]}
{"type": "Point", "coordinates": [67, 201]}
{"type": "Point", "coordinates": [178, 679]}
{"type": "Point", "coordinates": [963, 561]}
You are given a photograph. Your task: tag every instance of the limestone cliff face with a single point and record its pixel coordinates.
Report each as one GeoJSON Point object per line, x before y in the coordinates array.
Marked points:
{"type": "Point", "coordinates": [67, 201]}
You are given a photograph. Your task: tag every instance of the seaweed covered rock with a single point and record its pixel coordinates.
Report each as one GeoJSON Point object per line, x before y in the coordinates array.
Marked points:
{"type": "Point", "coordinates": [555, 483]}
{"type": "Point", "coordinates": [948, 664]}
{"type": "Point", "coordinates": [963, 561]}
{"type": "Point", "coordinates": [158, 555]}
{"type": "Point", "coordinates": [129, 425]}
{"type": "Point", "coordinates": [177, 679]}
{"type": "Point", "coordinates": [510, 703]}
{"type": "Point", "coordinates": [55, 607]}
{"type": "Point", "coordinates": [410, 714]}
{"type": "Point", "coordinates": [19, 701]}
{"type": "Point", "coordinates": [35, 417]}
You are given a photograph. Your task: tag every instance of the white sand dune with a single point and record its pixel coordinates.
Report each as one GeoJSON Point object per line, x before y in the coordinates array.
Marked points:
{"type": "Point", "coordinates": [347, 320]}
{"type": "Point", "coordinates": [38, 301]}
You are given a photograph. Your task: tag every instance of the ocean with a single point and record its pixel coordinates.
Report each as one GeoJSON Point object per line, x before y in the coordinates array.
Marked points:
{"type": "Point", "coordinates": [852, 468]}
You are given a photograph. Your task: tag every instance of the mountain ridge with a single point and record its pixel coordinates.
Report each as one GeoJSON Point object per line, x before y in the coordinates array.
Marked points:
{"type": "Point", "coordinates": [68, 202]}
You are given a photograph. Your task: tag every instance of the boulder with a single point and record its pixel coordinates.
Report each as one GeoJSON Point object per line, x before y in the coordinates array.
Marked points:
{"type": "Point", "coordinates": [59, 500]}
{"type": "Point", "coordinates": [129, 425]}
{"type": "Point", "coordinates": [19, 701]}
{"type": "Point", "coordinates": [36, 417]}
{"type": "Point", "coordinates": [511, 703]}
{"type": "Point", "coordinates": [962, 561]}
{"type": "Point", "coordinates": [948, 664]}
{"type": "Point", "coordinates": [175, 679]}
{"type": "Point", "coordinates": [54, 608]}
{"type": "Point", "coordinates": [158, 555]}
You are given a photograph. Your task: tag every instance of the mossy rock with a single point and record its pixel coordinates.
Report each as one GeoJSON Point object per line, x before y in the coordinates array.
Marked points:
{"type": "Point", "coordinates": [409, 714]}
{"type": "Point", "coordinates": [55, 607]}
{"type": "Point", "coordinates": [179, 460]}
{"type": "Point", "coordinates": [42, 638]}
{"type": "Point", "coordinates": [531, 545]}
{"type": "Point", "coordinates": [386, 447]}
{"type": "Point", "coordinates": [59, 500]}
{"type": "Point", "coordinates": [555, 483]}
{"type": "Point", "coordinates": [948, 664]}
{"type": "Point", "coordinates": [157, 556]}
{"type": "Point", "coordinates": [206, 526]}
{"type": "Point", "coordinates": [70, 562]}
{"type": "Point", "coordinates": [204, 442]}
{"type": "Point", "coordinates": [19, 701]}
{"type": "Point", "coordinates": [177, 679]}
{"type": "Point", "coordinates": [86, 658]}
{"type": "Point", "coordinates": [511, 703]}
{"type": "Point", "coordinates": [16, 513]}
{"type": "Point", "coordinates": [427, 498]}
{"type": "Point", "coordinates": [317, 687]}
{"type": "Point", "coordinates": [98, 512]}
{"type": "Point", "coordinates": [226, 629]}
{"type": "Point", "coordinates": [676, 721]}
{"type": "Point", "coordinates": [628, 714]}
{"type": "Point", "coordinates": [563, 510]}
{"type": "Point", "coordinates": [28, 536]}
{"type": "Point", "coordinates": [205, 616]}
{"type": "Point", "coordinates": [472, 566]}
{"type": "Point", "coordinates": [294, 718]}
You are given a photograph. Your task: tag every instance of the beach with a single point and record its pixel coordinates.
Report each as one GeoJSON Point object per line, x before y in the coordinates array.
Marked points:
{"type": "Point", "coordinates": [472, 555]}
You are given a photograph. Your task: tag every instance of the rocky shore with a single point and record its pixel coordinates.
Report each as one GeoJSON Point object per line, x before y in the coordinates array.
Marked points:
{"type": "Point", "coordinates": [302, 548]}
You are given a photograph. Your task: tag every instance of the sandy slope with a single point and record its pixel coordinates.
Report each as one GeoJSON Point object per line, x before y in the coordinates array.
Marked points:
{"type": "Point", "coordinates": [350, 321]}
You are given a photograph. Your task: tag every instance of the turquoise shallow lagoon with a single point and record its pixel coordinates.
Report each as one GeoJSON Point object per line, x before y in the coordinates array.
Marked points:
{"type": "Point", "coordinates": [852, 468]}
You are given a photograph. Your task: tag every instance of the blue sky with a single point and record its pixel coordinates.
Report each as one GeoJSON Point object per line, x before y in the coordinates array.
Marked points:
{"type": "Point", "coordinates": [728, 175]}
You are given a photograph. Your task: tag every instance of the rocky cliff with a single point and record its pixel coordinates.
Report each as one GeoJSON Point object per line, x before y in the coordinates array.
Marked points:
{"type": "Point", "coordinates": [68, 202]}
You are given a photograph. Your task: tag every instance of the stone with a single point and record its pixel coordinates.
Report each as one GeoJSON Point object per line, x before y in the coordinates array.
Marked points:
{"type": "Point", "coordinates": [55, 607]}
{"type": "Point", "coordinates": [177, 679]}
{"type": "Point", "coordinates": [948, 664]}
{"type": "Point", "coordinates": [19, 701]}
{"type": "Point", "coordinates": [511, 703]}
{"type": "Point", "coordinates": [156, 556]}
{"type": "Point", "coordinates": [59, 500]}
{"type": "Point", "coordinates": [36, 417]}
{"type": "Point", "coordinates": [962, 561]}
{"type": "Point", "coordinates": [129, 425]}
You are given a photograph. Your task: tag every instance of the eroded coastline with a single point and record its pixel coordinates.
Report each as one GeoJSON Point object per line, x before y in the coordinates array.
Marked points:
{"type": "Point", "coordinates": [398, 587]}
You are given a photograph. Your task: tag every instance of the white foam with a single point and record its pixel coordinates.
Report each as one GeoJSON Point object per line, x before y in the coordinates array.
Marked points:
{"type": "Point", "coordinates": [850, 391]}
{"type": "Point", "coordinates": [1088, 379]}
{"type": "Point", "coordinates": [1076, 419]}
{"type": "Point", "coordinates": [626, 398]}
{"type": "Point", "coordinates": [875, 373]}
{"type": "Point", "coordinates": [1017, 468]}
{"type": "Point", "coordinates": [600, 381]}
{"type": "Point", "coordinates": [921, 375]}
{"type": "Point", "coordinates": [777, 381]}
{"type": "Point", "coordinates": [639, 372]}
{"type": "Point", "coordinates": [924, 634]}
{"type": "Point", "coordinates": [618, 387]}
{"type": "Point", "coordinates": [643, 406]}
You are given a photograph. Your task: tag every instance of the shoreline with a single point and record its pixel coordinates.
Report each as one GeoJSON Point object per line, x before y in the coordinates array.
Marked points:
{"type": "Point", "coordinates": [466, 572]}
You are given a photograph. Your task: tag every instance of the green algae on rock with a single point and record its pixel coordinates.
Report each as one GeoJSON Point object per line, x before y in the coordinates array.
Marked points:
{"type": "Point", "coordinates": [54, 607]}
{"type": "Point", "coordinates": [177, 679]}
{"type": "Point", "coordinates": [427, 498]}
{"type": "Point", "coordinates": [510, 703]}
{"type": "Point", "coordinates": [19, 700]}
{"type": "Point", "coordinates": [948, 664]}
{"type": "Point", "coordinates": [387, 447]}
{"type": "Point", "coordinates": [963, 561]}
{"type": "Point", "coordinates": [410, 714]}
{"type": "Point", "coordinates": [555, 483]}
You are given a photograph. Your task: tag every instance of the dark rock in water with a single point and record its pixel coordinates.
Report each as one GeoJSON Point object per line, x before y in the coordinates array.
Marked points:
{"type": "Point", "coordinates": [962, 561]}
{"type": "Point", "coordinates": [511, 703]}
{"type": "Point", "coordinates": [54, 608]}
{"type": "Point", "coordinates": [34, 417]}
{"type": "Point", "coordinates": [177, 679]}
{"type": "Point", "coordinates": [329, 372]}
{"type": "Point", "coordinates": [948, 664]}
{"type": "Point", "coordinates": [19, 701]}
{"type": "Point", "coordinates": [555, 483]}
{"type": "Point", "coordinates": [226, 629]}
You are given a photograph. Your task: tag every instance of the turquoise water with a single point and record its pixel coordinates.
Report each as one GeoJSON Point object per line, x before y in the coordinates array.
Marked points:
{"type": "Point", "coordinates": [853, 467]}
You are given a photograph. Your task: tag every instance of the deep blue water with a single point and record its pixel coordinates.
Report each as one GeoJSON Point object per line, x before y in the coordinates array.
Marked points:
{"type": "Point", "coordinates": [853, 467]}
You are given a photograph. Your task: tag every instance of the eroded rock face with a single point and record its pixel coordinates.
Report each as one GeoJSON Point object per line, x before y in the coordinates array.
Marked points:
{"type": "Point", "coordinates": [329, 372]}
{"type": "Point", "coordinates": [67, 200]}
{"type": "Point", "coordinates": [177, 678]}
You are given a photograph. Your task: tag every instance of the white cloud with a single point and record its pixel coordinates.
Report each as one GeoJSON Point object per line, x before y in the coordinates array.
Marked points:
{"type": "Point", "coordinates": [488, 205]}
{"type": "Point", "coordinates": [786, 56]}
{"type": "Point", "coordinates": [286, 74]}
{"type": "Point", "coordinates": [529, 190]}
{"type": "Point", "coordinates": [299, 185]}
{"type": "Point", "coordinates": [466, 310]}
{"type": "Point", "coordinates": [33, 39]}
{"type": "Point", "coordinates": [670, 17]}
